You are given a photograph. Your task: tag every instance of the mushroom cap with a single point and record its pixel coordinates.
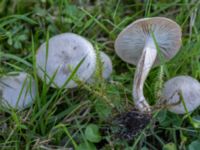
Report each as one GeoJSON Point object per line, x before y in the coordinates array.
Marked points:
{"type": "Point", "coordinates": [107, 65]}
{"type": "Point", "coordinates": [131, 41]}
{"type": "Point", "coordinates": [65, 52]}
{"type": "Point", "coordinates": [190, 90]}
{"type": "Point", "coordinates": [17, 91]}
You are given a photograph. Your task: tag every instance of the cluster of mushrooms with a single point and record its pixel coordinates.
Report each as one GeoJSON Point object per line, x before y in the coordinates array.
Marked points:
{"type": "Point", "coordinates": [56, 61]}
{"type": "Point", "coordinates": [145, 43]}
{"type": "Point", "coordinates": [149, 43]}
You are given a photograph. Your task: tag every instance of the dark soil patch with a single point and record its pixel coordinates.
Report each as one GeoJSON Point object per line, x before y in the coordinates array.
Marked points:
{"type": "Point", "coordinates": [129, 124]}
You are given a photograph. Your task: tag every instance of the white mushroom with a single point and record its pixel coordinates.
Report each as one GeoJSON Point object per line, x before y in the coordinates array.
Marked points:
{"type": "Point", "coordinates": [106, 67]}
{"type": "Point", "coordinates": [136, 45]}
{"type": "Point", "coordinates": [17, 91]}
{"type": "Point", "coordinates": [181, 86]}
{"type": "Point", "coordinates": [64, 53]}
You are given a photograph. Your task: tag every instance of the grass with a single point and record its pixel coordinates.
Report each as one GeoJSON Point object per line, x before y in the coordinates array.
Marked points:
{"type": "Point", "coordinates": [62, 118]}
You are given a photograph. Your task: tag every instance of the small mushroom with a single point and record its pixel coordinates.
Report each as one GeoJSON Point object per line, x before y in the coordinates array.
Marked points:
{"type": "Point", "coordinates": [17, 91]}
{"type": "Point", "coordinates": [136, 44]}
{"type": "Point", "coordinates": [106, 67]}
{"type": "Point", "coordinates": [65, 51]}
{"type": "Point", "coordinates": [181, 88]}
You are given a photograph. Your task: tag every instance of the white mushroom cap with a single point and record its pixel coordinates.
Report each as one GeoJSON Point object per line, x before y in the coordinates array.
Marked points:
{"type": "Point", "coordinates": [131, 41]}
{"type": "Point", "coordinates": [107, 65]}
{"type": "Point", "coordinates": [185, 85]}
{"type": "Point", "coordinates": [17, 91]}
{"type": "Point", "coordinates": [65, 52]}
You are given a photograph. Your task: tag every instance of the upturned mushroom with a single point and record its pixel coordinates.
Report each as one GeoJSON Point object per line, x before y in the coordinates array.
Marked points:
{"type": "Point", "coordinates": [17, 91]}
{"type": "Point", "coordinates": [179, 89]}
{"type": "Point", "coordinates": [64, 52]}
{"type": "Point", "coordinates": [147, 42]}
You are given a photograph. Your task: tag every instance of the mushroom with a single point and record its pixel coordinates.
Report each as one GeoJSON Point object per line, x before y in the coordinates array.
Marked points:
{"type": "Point", "coordinates": [17, 91]}
{"type": "Point", "coordinates": [106, 67]}
{"type": "Point", "coordinates": [181, 88]}
{"type": "Point", "coordinates": [65, 52]}
{"type": "Point", "coordinates": [147, 43]}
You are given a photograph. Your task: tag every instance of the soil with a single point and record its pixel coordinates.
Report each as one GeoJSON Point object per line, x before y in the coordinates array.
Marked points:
{"type": "Point", "coordinates": [129, 124]}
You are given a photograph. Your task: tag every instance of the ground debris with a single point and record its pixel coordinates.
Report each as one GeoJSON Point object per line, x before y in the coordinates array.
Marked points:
{"type": "Point", "coordinates": [128, 124]}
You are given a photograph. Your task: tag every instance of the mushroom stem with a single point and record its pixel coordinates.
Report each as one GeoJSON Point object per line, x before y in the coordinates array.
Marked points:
{"type": "Point", "coordinates": [144, 65]}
